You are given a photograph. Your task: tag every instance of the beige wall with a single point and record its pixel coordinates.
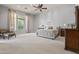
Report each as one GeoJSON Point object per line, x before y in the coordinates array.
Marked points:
{"type": "Point", "coordinates": [4, 18]}
{"type": "Point", "coordinates": [57, 17]}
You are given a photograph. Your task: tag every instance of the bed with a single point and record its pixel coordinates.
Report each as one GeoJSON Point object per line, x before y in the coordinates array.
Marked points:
{"type": "Point", "coordinates": [47, 33]}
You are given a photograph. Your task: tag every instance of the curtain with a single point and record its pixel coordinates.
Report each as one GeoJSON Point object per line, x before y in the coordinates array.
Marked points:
{"type": "Point", "coordinates": [26, 24]}
{"type": "Point", "coordinates": [12, 20]}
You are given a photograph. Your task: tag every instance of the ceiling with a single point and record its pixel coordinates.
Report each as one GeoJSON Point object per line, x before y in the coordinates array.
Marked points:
{"type": "Point", "coordinates": [28, 8]}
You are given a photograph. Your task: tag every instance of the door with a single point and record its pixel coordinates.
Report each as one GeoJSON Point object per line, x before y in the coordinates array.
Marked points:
{"type": "Point", "coordinates": [20, 24]}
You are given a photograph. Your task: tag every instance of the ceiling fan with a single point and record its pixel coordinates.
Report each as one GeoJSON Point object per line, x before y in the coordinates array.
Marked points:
{"type": "Point", "coordinates": [39, 7]}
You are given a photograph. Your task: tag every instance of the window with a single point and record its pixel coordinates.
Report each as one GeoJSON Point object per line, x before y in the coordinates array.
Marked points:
{"type": "Point", "coordinates": [20, 23]}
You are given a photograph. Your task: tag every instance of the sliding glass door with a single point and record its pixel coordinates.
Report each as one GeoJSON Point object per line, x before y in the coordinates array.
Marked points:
{"type": "Point", "coordinates": [20, 24]}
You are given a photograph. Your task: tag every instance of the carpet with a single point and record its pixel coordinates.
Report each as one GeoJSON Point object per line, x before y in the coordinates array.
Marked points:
{"type": "Point", "coordinates": [31, 44]}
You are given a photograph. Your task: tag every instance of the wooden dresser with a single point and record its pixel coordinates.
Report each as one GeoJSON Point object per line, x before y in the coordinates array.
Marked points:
{"type": "Point", "coordinates": [72, 35]}
{"type": "Point", "coordinates": [72, 40]}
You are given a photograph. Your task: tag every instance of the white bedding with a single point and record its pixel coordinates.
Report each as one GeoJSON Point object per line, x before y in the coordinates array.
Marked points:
{"type": "Point", "coordinates": [48, 33]}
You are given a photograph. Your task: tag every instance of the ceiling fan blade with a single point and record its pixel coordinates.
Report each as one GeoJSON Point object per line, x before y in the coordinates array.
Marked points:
{"type": "Point", "coordinates": [40, 10]}
{"type": "Point", "coordinates": [35, 6]}
{"type": "Point", "coordinates": [44, 8]}
{"type": "Point", "coordinates": [40, 5]}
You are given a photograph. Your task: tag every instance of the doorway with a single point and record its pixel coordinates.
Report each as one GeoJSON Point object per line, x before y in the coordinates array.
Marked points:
{"type": "Point", "coordinates": [20, 24]}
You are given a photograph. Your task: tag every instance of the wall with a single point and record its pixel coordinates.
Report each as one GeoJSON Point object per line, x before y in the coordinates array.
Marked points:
{"type": "Point", "coordinates": [31, 18]}
{"type": "Point", "coordinates": [56, 17]}
{"type": "Point", "coordinates": [3, 17]}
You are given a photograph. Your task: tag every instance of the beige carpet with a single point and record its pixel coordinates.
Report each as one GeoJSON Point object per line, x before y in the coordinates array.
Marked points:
{"type": "Point", "coordinates": [31, 44]}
